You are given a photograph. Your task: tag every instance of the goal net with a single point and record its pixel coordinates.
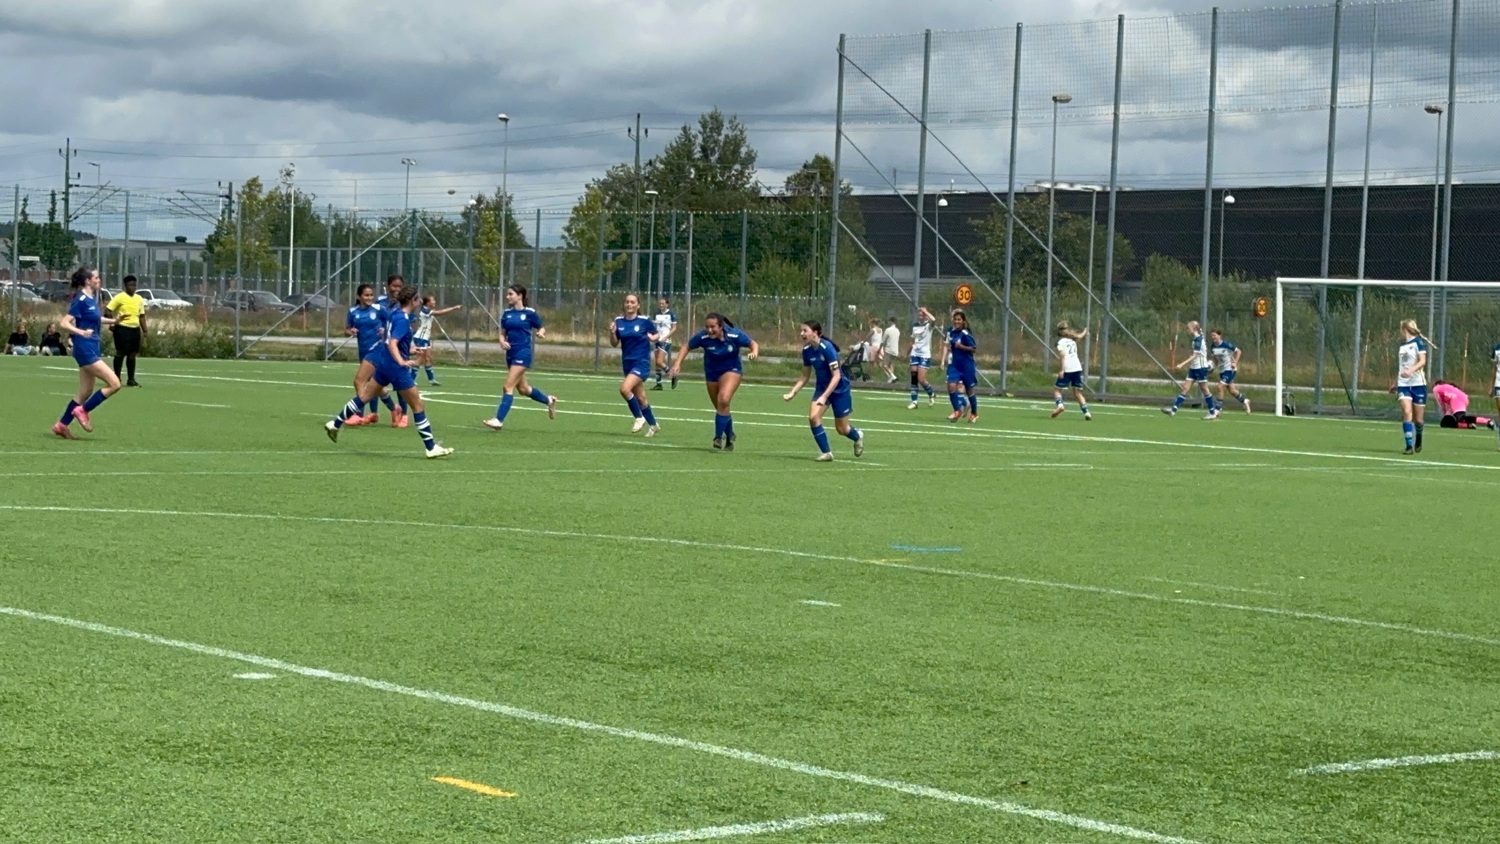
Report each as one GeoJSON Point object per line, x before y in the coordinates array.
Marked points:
{"type": "Point", "coordinates": [1336, 341]}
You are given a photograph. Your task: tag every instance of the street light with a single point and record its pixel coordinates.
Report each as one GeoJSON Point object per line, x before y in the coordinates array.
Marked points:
{"type": "Point", "coordinates": [651, 242]}
{"type": "Point", "coordinates": [937, 234]}
{"type": "Point", "coordinates": [1437, 177]}
{"type": "Point", "coordinates": [408, 163]}
{"type": "Point", "coordinates": [504, 192]}
{"type": "Point", "coordinates": [1057, 100]}
{"type": "Point", "coordinates": [1224, 203]}
{"type": "Point", "coordinates": [98, 212]}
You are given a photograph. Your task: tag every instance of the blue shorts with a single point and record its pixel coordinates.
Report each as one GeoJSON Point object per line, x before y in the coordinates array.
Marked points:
{"type": "Point", "coordinates": [663, 346]}
{"type": "Point", "coordinates": [1418, 395]}
{"type": "Point", "coordinates": [923, 363]}
{"type": "Point", "coordinates": [639, 368]}
{"type": "Point", "coordinates": [1227, 376]}
{"type": "Point", "coordinates": [418, 343]}
{"type": "Point", "coordinates": [712, 375]}
{"type": "Point", "coordinates": [518, 358]}
{"type": "Point", "coordinates": [398, 378]}
{"type": "Point", "coordinates": [842, 404]}
{"type": "Point", "coordinates": [1197, 376]}
{"type": "Point", "coordinates": [86, 354]}
{"type": "Point", "coordinates": [1070, 379]}
{"type": "Point", "coordinates": [962, 375]}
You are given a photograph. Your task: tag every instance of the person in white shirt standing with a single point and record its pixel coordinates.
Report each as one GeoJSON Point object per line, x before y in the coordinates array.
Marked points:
{"type": "Point", "coordinates": [890, 348]}
{"type": "Point", "coordinates": [920, 356]}
{"type": "Point", "coordinates": [1495, 355]}
{"type": "Point", "coordinates": [1411, 384]}
{"type": "Point", "coordinates": [1071, 372]}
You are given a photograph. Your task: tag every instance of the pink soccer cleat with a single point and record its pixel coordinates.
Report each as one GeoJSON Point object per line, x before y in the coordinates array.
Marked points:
{"type": "Point", "coordinates": [402, 420]}
{"type": "Point", "coordinates": [83, 419]}
{"type": "Point", "coordinates": [63, 431]}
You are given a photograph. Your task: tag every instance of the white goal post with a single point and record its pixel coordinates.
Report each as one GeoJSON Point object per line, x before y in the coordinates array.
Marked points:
{"type": "Point", "coordinates": [1475, 321]}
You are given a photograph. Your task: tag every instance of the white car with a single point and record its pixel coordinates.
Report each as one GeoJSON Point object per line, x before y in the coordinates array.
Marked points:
{"type": "Point", "coordinates": [162, 299]}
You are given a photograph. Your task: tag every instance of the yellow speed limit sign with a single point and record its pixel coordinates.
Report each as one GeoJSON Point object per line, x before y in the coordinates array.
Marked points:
{"type": "Point", "coordinates": [963, 295]}
{"type": "Point", "coordinates": [1261, 307]}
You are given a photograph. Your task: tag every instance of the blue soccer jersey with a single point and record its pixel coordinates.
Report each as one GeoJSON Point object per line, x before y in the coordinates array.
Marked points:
{"type": "Point", "coordinates": [720, 355]}
{"type": "Point", "coordinates": [518, 324]}
{"type": "Point", "coordinates": [963, 358]}
{"type": "Point", "coordinates": [1223, 352]}
{"type": "Point", "coordinates": [823, 358]}
{"type": "Point", "coordinates": [635, 336]}
{"type": "Point", "coordinates": [369, 326]}
{"type": "Point", "coordinates": [86, 317]}
{"type": "Point", "coordinates": [398, 328]}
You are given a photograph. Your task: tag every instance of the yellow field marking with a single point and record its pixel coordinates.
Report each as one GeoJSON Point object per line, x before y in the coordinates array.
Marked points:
{"type": "Point", "coordinates": [488, 791]}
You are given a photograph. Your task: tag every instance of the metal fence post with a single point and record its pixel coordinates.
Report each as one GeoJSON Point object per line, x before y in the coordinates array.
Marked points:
{"type": "Point", "coordinates": [837, 190]}
{"type": "Point", "coordinates": [916, 261]}
{"type": "Point", "coordinates": [745, 257]}
{"type": "Point", "coordinates": [1010, 214]}
{"type": "Point", "coordinates": [1208, 171]}
{"type": "Point", "coordinates": [1333, 125]}
{"type": "Point", "coordinates": [1448, 182]}
{"type": "Point", "coordinates": [536, 254]}
{"type": "Point", "coordinates": [1114, 201]}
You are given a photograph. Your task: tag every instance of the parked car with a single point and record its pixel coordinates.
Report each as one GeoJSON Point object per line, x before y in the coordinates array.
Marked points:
{"type": "Point", "coordinates": [21, 293]}
{"type": "Point", "coordinates": [312, 302]}
{"type": "Point", "coordinates": [254, 300]}
{"type": "Point", "coordinates": [54, 290]}
{"type": "Point", "coordinates": [160, 298]}
{"type": "Point", "coordinates": [202, 300]}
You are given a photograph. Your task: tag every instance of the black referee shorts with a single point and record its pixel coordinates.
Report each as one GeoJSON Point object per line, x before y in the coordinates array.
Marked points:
{"type": "Point", "coordinates": [127, 340]}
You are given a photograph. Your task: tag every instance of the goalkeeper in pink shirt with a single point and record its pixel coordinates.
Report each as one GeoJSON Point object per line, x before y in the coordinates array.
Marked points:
{"type": "Point", "coordinates": [1454, 404]}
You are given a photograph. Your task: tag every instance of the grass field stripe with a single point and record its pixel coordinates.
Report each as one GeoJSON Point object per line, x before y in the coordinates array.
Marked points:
{"type": "Point", "coordinates": [1212, 586]}
{"type": "Point", "coordinates": [712, 833]}
{"type": "Point", "coordinates": [198, 404]}
{"type": "Point", "coordinates": [1400, 762]}
{"type": "Point", "coordinates": [750, 757]}
{"type": "Point", "coordinates": [476, 787]}
{"type": "Point", "coordinates": [789, 552]}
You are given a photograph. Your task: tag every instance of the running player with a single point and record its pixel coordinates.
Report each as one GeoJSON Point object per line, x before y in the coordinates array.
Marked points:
{"type": "Point", "coordinates": [721, 343]}
{"type": "Point", "coordinates": [421, 341]}
{"type": "Point", "coordinates": [84, 321]}
{"type": "Point", "coordinates": [393, 368]}
{"type": "Point", "coordinates": [1495, 393]}
{"type": "Point", "coordinates": [1411, 384]}
{"type": "Point", "coordinates": [517, 322]}
{"type": "Point", "coordinates": [635, 336]}
{"type": "Point", "coordinates": [963, 374]}
{"type": "Point", "coordinates": [1197, 364]}
{"type": "Point", "coordinates": [666, 323]}
{"type": "Point", "coordinates": [920, 356]}
{"type": "Point", "coordinates": [366, 322]}
{"type": "Point", "coordinates": [1227, 356]}
{"type": "Point", "coordinates": [387, 302]}
{"type": "Point", "coordinates": [820, 361]}
{"type": "Point", "coordinates": [1071, 372]}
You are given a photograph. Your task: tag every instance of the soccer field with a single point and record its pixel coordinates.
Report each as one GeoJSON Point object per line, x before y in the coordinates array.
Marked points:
{"type": "Point", "coordinates": [216, 625]}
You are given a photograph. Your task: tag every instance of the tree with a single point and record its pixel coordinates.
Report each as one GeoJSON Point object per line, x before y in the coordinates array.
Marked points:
{"type": "Point", "coordinates": [1070, 245]}
{"type": "Point", "coordinates": [710, 168]}
{"type": "Point", "coordinates": [55, 244]}
{"type": "Point", "coordinates": [486, 213]}
{"type": "Point", "coordinates": [584, 241]}
{"type": "Point", "coordinates": [27, 237]}
{"type": "Point", "coordinates": [245, 241]}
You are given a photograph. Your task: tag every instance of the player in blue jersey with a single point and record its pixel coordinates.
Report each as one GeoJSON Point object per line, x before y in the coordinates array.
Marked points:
{"type": "Point", "coordinates": [1227, 356]}
{"type": "Point", "coordinates": [721, 343]}
{"type": "Point", "coordinates": [394, 283]}
{"type": "Point", "coordinates": [1411, 384]}
{"type": "Point", "coordinates": [1197, 366]}
{"type": "Point", "coordinates": [517, 322]}
{"type": "Point", "coordinates": [820, 363]}
{"type": "Point", "coordinates": [635, 335]}
{"type": "Point", "coordinates": [963, 373]}
{"type": "Point", "coordinates": [394, 369]}
{"type": "Point", "coordinates": [666, 323]}
{"type": "Point", "coordinates": [366, 323]}
{"type": "Point", "coordinates": [421, 339]}
{"type": "Point", "coordinates": [84, 321]}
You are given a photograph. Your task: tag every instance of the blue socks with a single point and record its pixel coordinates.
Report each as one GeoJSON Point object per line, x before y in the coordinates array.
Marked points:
{"type": "Point", "coordinates": [504, 409]}
{"type": "Point", "coordinates": [821, 437]}
{"type": "Point", "coordinates": [425, 429]}
{"type": "Point", "coordinates": [1083, 406]}
{"type": "Point", "coordinates": [973, 405]}
{"type": "Point", "coordinates": [957, 400]}
{"type": "Point", "coordinates": [729, 425]}
{"type": "Point", "coordinates": [635, 406]}
{"type": "Point", "coordinates": [853, 434]}
{"type": "Point", "coordinates": [1176, 403]}
{"type": "Point", "coordinates": [402, 399]}
{"type": "Point", "coordinates": [650, 417]}
{"type": "Point", "coordinates": [1409, 431]}
{"type": "Point", "coordinates": [389, 405]}
{"type": "Point", "coordinates": [67, 417]}
{"type": "Point", "coordinates": [721, 424]}
{"type": "Point", "coordinates": [350, 411]}
{"type": "Point", "coordinates": [94, 401]}
{"type": "Point", "coordinates": [430, 375]}
{"type": "Point", "coordinates": [914, 393]}
{"type": "Point", "coordinates": [538, 396]}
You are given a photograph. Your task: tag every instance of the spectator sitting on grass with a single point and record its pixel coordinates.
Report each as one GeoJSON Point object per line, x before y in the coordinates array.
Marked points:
{"type": "Point", "coordinates": [19, 342]}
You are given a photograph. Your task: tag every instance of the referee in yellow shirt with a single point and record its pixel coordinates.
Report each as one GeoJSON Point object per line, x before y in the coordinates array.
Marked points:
{"type": "Point", "coordinates": [130, 326]}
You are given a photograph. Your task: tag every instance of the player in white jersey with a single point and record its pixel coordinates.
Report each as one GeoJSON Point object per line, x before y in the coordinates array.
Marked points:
{"type": "Point", "coordinates": [920, 356]}
{"type": "Point", "coordinates": [1495, 356]}
{"type": "Point", "coordinates": [1197, 367]}
{"type": "Point", "coordinates": [421, 338]}
{"type": "Point", "coordinates": [1411, 384]}
{"type": "Point", "coordinates": [661, 356]}
{"type": "Point", "coordinates": [1227, 356]}
{"type": "Point", "coordinates": [1070, 374]}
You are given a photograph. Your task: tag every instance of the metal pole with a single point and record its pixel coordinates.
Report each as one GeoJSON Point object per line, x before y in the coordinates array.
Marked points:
{"type": "Point", "coordinates": [468, 280]}
{"type": "Point", "coordinates": [688, 282]}
{"type": "Point", "coordinates": [504, 198]}
{"type": "Point", "coordinates": [1442, 333]}
{"type": "Point", "coordinates": [125, 250]}
{"type": "Point", "coordinates": [635, 218]}
{"type": "Point", "coordinates": [1109, 229]}
{"type": "Point", "coordinates": [15, 255]}
{"type": "Point", "coordinates": [916, 267]}
{"type": "Point", "coordinates": [599, 293]}
{"type": "Point", "coordinates": [328, 265]}
{"type": "Point", "coordinates": [1333, 118]}
{"type": "Point", "coordinates": [1088, 304]}
{"type": "Point", "coordinates": [1010, 215]}
{"type": "Point", "coordinates": [1364, 210]}
{"type": "Point", "coordinates": [1051, 227]}
{"type": "Point", "coordinates": [836, 192]}
{"type": "Point", "coordinates": [536, 253]}
{"type": "Point", "coordinates": [239, 260]}
{"type": "Point", "coordinates": [1208, 167]}
{"type": "Point", "coordinates": [745, 258]}
{"type": "Point", "coordinates": [672, 256]}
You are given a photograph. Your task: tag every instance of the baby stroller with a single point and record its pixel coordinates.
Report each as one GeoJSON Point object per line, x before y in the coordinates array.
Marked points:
{"type": "Point", "coordinates": [854, 362]}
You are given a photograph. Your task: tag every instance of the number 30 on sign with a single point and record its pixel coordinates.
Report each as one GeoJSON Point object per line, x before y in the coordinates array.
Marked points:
{"type": "Point", "coordinates": [963, 295]}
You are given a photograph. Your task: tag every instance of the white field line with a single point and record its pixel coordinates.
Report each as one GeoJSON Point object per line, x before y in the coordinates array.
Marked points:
{"type": "Point", "coordinates": [783, 552]}
{"type": "Point", "coordinates": [1400, 762]}
{"type": "Point", "coordinates": [750, 757]}
{"type": "Point", "coordinates": [711, 833]}
{"type": "Point", "coordinates": [820, 603]}
{"type": "Point", "coordinates": [198, 404]}
{"type": "Point", "coordinates": [1213, 586]}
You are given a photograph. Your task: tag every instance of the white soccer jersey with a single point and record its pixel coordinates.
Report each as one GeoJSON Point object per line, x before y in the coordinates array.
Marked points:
{"type": "Point", "coordinates": [1200, 353]}
{"type": "Point", "coordinates": [1067, 349]}
{"type": "Point", "coordinates": [1224, 355]}
{"type": "Point", "coordinates": [1407, 360]}
{"type": "Point", "coordinates": [424, 325]}
{"type": "Point", "coordinates": [1496, 357]}
{"type": "Point", "coordinates": [665, 322]}
{"type": "Point", "coordinates": [921, 340]}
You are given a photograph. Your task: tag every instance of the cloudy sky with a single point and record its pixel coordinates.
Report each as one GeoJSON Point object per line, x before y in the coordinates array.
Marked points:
{"type": "Point", "coordinates": [169, 95]}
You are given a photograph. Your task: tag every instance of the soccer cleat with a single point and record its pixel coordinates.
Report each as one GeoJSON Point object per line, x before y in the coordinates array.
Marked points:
{"type": "Point", "coordinates": [825, 457]}
{"type": "Point", "coordinates": [1170, 411]}
{"type": "Point", "coordinates": [1088, 417]}
{"type": "Point", "coordinates": [1058, 411]}
{"type": "Point", "coordinates": [332, 430]}
{"type": "Point", "coordinates": [955, 416]}
{"type": "Point", "coordinates": [859, 445]}
{"type": "Point", "coordinates": [718, 442]}
{"type": "Point", "coordinates": [354, 421]}
{"type": "Point", "coordinates": [674, 382]}
{"type": "Point", "coordinates": [1247, 405]}
{"type": "Point", "coordinates": [552, 407]}
{"type": "Point", "coordinates": [912, 406]}
{"type": "Point", "coordinates": [434, 383]}
{"type": "Point", "coordinates": [132, 383]}
{"type": "Point", "coordinates": [653, 430]}
{"type": "Point", "coordinates": [729, 442]}
{"type": "Point", "coordinates": [658, 386]}
{"type": "Point", "coordinates": [1211, 415]}
{"type": "Point", "coordinates": [494, 424]}
{"type": "Point", "coordinates": [1409, 450]}
{"type": "Point", "coordinates": [931, 400]}
{"type": "Point", "coordinates": [973, 417]}
{"type": "Point", "coordinates": [371, 419]}
{"type": "Point", "coordinates": [438, 451]}
{"type": "Point", "coordinates": [404, 421]}
{"type": "Point", "coordinates": [62, 430]}
{"type": "Point", "coordinates": [396, 418]}
{"type": "Point", "coordinates": [891, 380]}
{"type": "Point", "coordinates": [1419, 448]}
{"type": "Point", "coordinates": [83, 419]}
{"type": "Point", "coordinates": [639, 424]}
